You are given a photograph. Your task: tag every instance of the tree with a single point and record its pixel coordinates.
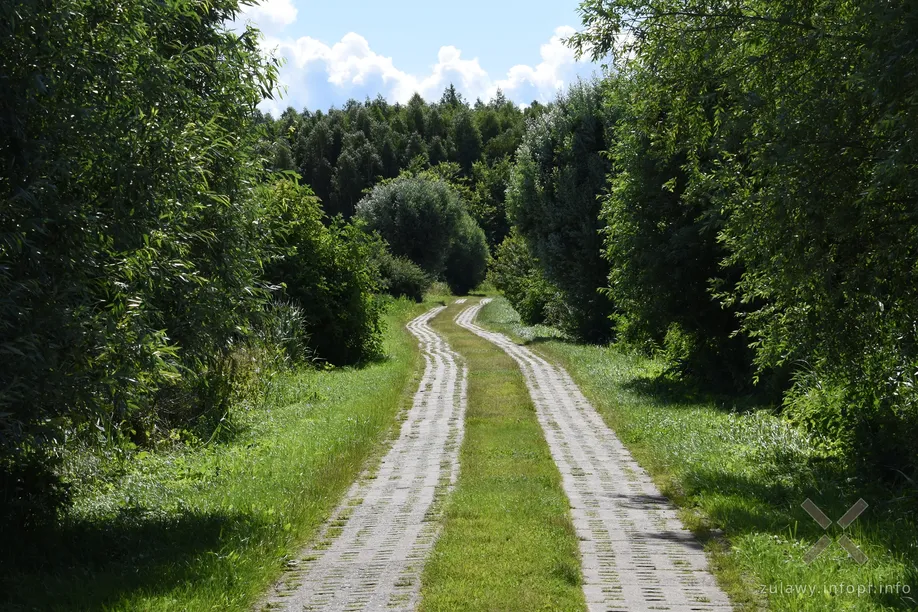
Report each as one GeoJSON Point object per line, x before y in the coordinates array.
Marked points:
{"type": "Point", "coordinates": [665, 259]}
{"type": "Point", "coordinates": [814, 122]}
{"type": "Point", "coordinates": [418, 216]}
{"type": "Point", "coordinates": [451, 98]}
{"type": "Point", "coordinates": [517, 274]}
{"type": "Point", "coordinates": [283, 157]}
{"type": "Point", "coordinates": [415, 115]}
{"type": "Point", "coordinates": [437, 153]}
{"type": "Point", "coordinates": [317, 165]}
{"type": "Point", "coordinates": [552, 199]}
{"type": "Point", "coordinates": [128, 243]}
{"type": "Point", "coordinates": [467, 261]}
{"type": "Point", "coordinates": [487, 202]}
{"type": "Point", "coordinates": [358, 166]}
{"type": "Point", "coordinates": [467, 141]}
{"type": "Point", "coordinates": [326, 270]}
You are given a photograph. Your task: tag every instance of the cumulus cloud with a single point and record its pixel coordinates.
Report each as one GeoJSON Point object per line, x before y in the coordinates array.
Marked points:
{"type": "Point", "coordinates": [318, 75]}
{"type": "Point", "coordinates": [271, 15]}
{"type": "Point", "coordinates": [548, 75]}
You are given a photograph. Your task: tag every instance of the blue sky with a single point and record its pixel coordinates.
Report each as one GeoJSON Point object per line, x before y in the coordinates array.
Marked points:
{"type": "Point", "coordinates": [353, 49]}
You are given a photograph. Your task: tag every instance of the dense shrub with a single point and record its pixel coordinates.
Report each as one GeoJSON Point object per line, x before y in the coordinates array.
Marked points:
{"type": "Point", "coordinates": [401, 277]}
{"type": "Point", "coordinates": [417, 215]}
{"type": "Point", "coordinates": [799, 119]}
{"type": "Point", "coordinates": [467, 261]}
{"type": "Point", "coordinates": [327, 270]}
{"type": "Point", "coordinates": [516, 274]}
{"type": "Point", "coordinates": [552, 199]}
{"type": "Point", "coordinates": [665, 259]}
{"type": "Point", "coordinates": [128, 243]}
{"type": "Point", "coordinates": [423, 218]}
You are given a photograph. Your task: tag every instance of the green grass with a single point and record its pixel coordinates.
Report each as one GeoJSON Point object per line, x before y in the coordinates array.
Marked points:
{"type": "Point", "coordinates": [210, 527]}
{"type": "Point", "coordinates": [507, 542]}
{"type": "Point", "coordinates": [739, 476]}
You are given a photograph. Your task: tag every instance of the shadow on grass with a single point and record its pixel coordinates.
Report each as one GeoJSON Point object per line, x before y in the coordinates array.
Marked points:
{"type": "Point", "coordinates": [544, 339]}
{"type": "Point", "coordinates": [670, 391]}
{"type": "Point", "coordinates": [95, 564]}
{"type": "Point", "coordinates": [771, 502]}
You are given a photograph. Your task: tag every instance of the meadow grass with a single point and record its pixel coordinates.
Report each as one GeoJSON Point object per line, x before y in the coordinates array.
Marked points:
{"type": "Point", "coordinates": [210, 527]}
{"type": "Point", "coordinates": [739, 474]}
{"type": "Point", "coordinates": [507, 541]}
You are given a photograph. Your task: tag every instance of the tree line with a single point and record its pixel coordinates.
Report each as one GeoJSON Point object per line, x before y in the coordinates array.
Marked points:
{"type": "Point", "coordinates": [737, 195]}
{"type": "Point", "coordinates": [159, 256]}
{"type": "Point", "coordinates": [342, 153]}
{"type": "Point", "coordinates": [742, 189]}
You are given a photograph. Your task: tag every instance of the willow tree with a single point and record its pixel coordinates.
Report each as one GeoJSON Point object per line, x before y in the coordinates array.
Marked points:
{"type": "Point", "coordinates": [128, 245]}
{"type": "Point", "coordinates": [811, 109]}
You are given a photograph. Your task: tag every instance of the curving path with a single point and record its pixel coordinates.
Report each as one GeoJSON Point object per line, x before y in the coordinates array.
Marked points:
{"type": "Point", "coordinates": [636, 554]}
{"type": "Point", "coordinates": [370, 554]}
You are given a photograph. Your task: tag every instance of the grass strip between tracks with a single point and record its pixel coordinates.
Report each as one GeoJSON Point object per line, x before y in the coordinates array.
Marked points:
{"type": "Point", "coordinates": [507, 542]}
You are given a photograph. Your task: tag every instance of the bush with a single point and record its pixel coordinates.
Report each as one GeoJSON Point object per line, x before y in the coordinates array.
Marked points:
{"type": "Point", "coordinates": [665, 259]}
{"type": "Point", "coordinates": [552, 200]}
{"type": "Point", "coordinates": [516, 274]}
{"type": "Point", "coordinates": [467, 261]}
{"type": "Point", "coordinates": [128, 250]}
{"type": "Point", "coordinates": [326, 270]}
{"type": "Point", "coordinates": [401, 277]}
{"type": "Point", "coordinates": [418, 216]}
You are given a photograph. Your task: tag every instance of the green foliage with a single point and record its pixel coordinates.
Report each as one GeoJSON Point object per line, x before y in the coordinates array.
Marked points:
{"type": "Point", "coordinates": [552, 199]}
{"type": "Point", "coordinates": [664, 256]}
{"type": "Point", "coordinates": [487, 201]}
{"type": "Point", "coordinates": [517, 274]}
{"type": "Point", "coordinates": [358, 166]}
{"type": "Point", "coordinates": [797, 120]}
{"type": "Point", "coordinates": [467, 261]}
{"type": "Point", "coordinates": [418, 216]}
{"type": "Point", "coordinates": [282, 328]}
{"type": "Point", "coordinates": [345, 152]}
{"type": "Point", "coordinates": [422, 216]}
{"type": "Point", "coordinates": [128, 246]}
{"type": "Point", "coordinates": [193, 527]}
{"type": "Point", "coordinates": [401, 277]}
{"type": "Point", "coordinates": [467, 141]}
{"type": "Point", "coordinates": [326, 270]}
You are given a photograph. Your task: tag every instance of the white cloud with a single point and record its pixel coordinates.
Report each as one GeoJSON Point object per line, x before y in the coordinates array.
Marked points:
{"type": "Point", "coordinates": [271, 14]}
{"type": "Point", "coordinates": [549, 75]}
{"type": "Point", "coordinates": [316, 73]}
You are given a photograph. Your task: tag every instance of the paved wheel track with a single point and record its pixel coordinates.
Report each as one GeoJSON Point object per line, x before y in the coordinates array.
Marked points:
{"type": "Point", "coordinates": [636, 554]}
{"type": "Point", "coordinates": [370, 554]}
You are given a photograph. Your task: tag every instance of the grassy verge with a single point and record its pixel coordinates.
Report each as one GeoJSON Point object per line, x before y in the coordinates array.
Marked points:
{"type": "Point", "coordinates": [209, 527]}
{"type": "Point", "coordinates": [507, 542]}
{"type": "Point", "coordinates": [741, 476]}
